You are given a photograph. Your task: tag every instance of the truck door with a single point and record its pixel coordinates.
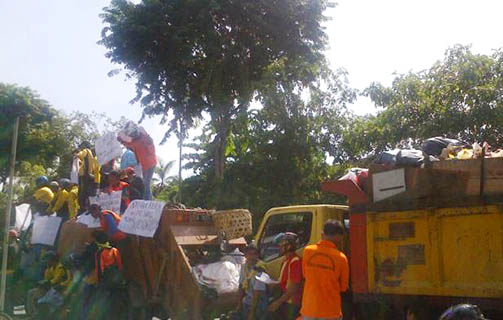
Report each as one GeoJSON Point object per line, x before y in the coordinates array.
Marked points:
{"type": "Point", "coordinates": [300, 223]}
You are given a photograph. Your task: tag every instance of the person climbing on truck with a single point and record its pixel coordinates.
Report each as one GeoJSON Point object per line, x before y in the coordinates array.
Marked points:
{"type": "Point", "coordinates": [288, 304]}
{"type": "Point", "coordinates": [109, 222]}
{"type": "Point", "coordinates": [326, 274]}
{"type": "Point", "coordinates": [110, 282]}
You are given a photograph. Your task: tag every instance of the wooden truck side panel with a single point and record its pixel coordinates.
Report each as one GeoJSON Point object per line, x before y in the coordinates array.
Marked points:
{"type": "Point", "coordinates": [180, 291]}
{"type": "Point", "coordinates": [358, 259]}
{"type": "Point", "coordinates": [455, 252]}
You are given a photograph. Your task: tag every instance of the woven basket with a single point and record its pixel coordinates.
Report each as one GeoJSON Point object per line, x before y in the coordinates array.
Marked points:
{"type": "Point", "coordinates": [234, 223]}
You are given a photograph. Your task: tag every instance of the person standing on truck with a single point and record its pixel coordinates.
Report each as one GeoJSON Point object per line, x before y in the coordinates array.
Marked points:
{"type": "Point", "coordinates": [290, 278]}
{"type": "Point", "coordinates": [59, 204]}
{"type": "Point", "coordinates": [42, 198]}
{"type": "Point", "coordinates": [326, 274]}
{"type": "Point", "coordinates": [138, 140]}
{"type": "Point", "coordinates": [89, 174]}
{"type": "Point", "coordinates": [128, 159]}
{"type": "Point", "coordinates": [73, 197]}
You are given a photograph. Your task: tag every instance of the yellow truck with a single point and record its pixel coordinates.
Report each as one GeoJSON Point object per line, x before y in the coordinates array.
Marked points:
{"type": "Point", "coordinates": [304, 220]}
{"type": "Point", "coordinates": [437, 242]}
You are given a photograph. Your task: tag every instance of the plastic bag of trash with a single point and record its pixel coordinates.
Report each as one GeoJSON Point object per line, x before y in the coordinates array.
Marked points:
{"type": "Point", "coordinates": [387, 157]}
{"type": "Point", "coordinates": [223, 276]}
{"type": "Point", "coordinates": [410, 157]}
{"type": "Point", "coordinates": [434, 146]}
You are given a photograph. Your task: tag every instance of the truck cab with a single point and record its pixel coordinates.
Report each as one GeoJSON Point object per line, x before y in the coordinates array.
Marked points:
{"type": "Point", "coordinates": [304, 220]}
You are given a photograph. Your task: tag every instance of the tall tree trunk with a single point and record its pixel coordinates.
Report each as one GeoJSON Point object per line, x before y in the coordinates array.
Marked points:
{"type": "Point", "coordinates": [222, 123]}
{"type": "Point", "coordinates": [180, 146]}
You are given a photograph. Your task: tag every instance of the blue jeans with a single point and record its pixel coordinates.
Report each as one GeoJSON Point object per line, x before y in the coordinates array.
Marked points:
{"type": "Point", "coordinates": [147, 178]}
{"type": "Point", "coordinates": [87, 300]}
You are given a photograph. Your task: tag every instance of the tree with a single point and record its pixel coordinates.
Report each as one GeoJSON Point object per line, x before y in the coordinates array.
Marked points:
{"type": "Point", "coordinates": [47, 137]}
{"type": "Point", "coordinates": [277, 154]}
{"type": "Point", "coordinates": [36, 143]}
{"type": "Point", "coordinates": [459, 97]}
{"type": "Point", "coordinates": [162, 170]}
{"type": "Point", "coordinates": [190, 57]}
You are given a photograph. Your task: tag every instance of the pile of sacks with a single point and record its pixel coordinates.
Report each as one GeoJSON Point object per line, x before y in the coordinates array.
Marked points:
{"type": "Point", "coordinates": [437, 149]}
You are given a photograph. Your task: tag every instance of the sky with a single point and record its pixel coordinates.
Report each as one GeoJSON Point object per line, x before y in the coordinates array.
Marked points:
{"type": "Point", "coordinates": [50, 46]}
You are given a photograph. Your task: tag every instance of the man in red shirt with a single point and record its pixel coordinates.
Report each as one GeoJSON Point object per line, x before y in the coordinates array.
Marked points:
{"type": "Point", "coordinates": [290, 278]}
{"type": "Point", "coordinates": [326, 274]}
{"type": "Point", "coordinates": [138, 140]}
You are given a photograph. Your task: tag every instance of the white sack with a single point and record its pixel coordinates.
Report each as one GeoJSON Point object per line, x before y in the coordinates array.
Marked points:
{"type": "Point", "coordinates": [223, 276]}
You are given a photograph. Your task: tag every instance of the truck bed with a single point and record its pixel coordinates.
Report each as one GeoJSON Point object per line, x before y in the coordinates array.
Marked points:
{"type": "Point", "coordinates": [161, 267]}
{"type": "Point", "coordinates": [444, 252]}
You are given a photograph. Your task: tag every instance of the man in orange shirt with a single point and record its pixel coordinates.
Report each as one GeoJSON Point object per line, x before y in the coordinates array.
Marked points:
{"type": "Point", "coordinates": [326, 273]}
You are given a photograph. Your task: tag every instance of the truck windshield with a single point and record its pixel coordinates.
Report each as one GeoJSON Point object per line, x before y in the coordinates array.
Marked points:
{"type": "Point", "coordinates": [296, 222]}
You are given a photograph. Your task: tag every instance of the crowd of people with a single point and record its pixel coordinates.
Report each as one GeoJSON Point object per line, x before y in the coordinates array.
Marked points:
{"type": "Point", "coordinates": [310, 286]}
{"type": "Point", "coordinates": [90, 282]}
{"type": "Point", "coordinates": [67, 198]}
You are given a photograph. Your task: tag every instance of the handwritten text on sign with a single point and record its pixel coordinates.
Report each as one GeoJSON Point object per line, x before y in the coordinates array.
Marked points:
{"type": "Point", "coordinates": [45, 230]}
{"type": "Point", "coordinates": [142, 218]}
{"type": "Point", "coordinates": [107, 148]}
{"type": "Point", "coordinates": [107, 201]}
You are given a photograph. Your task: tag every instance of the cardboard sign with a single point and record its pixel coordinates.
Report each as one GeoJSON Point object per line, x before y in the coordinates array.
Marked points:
{"type": "Point", "coordinates": [89, 220]}
{"type": "Point", "coordinates": [107, 201]}
{"type": "Point", "coordinates": [107, 148]}
{"type": "Point", "coordinates": [74, 175]}
{"type": "Point", "coordinates": [388, 183]}
{"type": "Point", "coordinates": [23, 216]}
{"type": "Point", "coordinates": [142, 218]}
{"type": "Point", "coordinates": [45, 230]}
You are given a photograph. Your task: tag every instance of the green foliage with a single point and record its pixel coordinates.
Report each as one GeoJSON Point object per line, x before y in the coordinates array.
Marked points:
{"type": "Point", "coordinates": [168, 193]}
{"type": "Point", "coordinates": [459, 97]}
{"type": "Point", "coordinates": [161, 178]}
{"type": "Point", "coordinates": [37, 143]}
{"type": "Point", "coordinates": [212, 55]}
{"type": "Point", "coordinates": [47, 138]}
{"type": "Point", "coordinates": [277, 154]}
